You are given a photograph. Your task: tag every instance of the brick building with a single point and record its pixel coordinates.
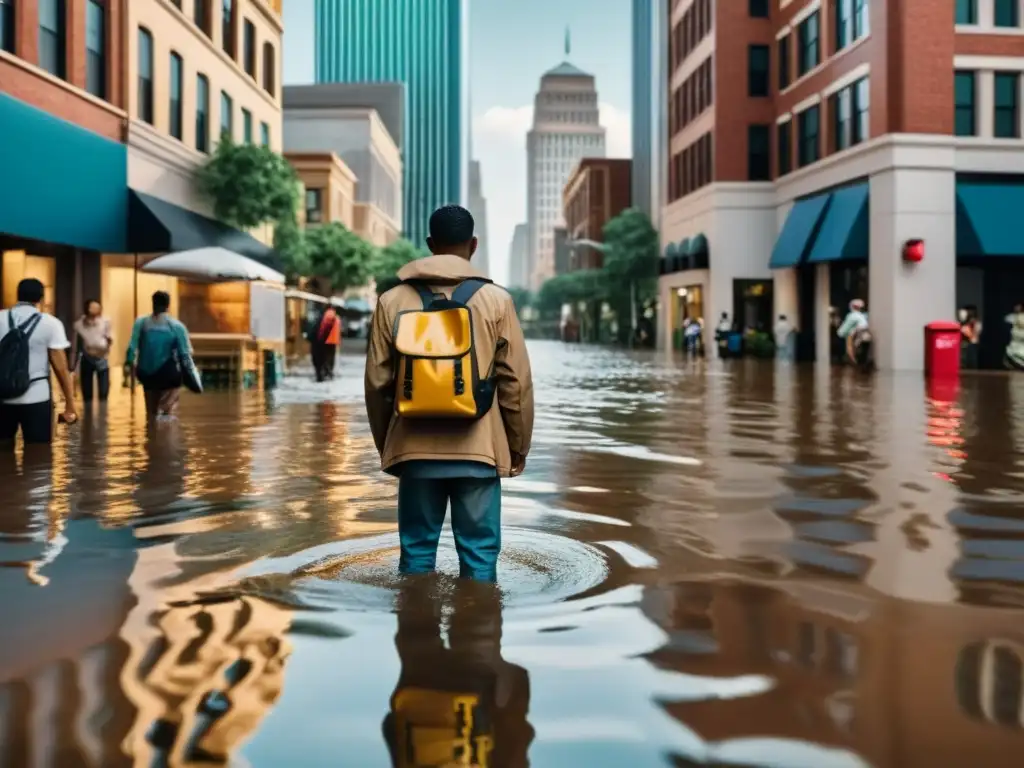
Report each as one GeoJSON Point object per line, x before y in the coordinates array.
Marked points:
{"type": "Point", "coordinates": [811, 139]}
{"type": "Point", "coordinates": [597, 190]}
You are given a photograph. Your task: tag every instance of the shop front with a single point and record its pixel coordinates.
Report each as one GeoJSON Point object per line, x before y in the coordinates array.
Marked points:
{"type": "Point", "coordinates": [682, 289]}
{"type": "Point", "coordinates": [63, 204]}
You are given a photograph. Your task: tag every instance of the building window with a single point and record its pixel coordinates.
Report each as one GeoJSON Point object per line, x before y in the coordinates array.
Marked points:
{"type": "Point", "coordinates": [851, 21]}
{"type": "Point", "coordinates": [145, 94]}
{"type": "Point", "coordinates": [201, 16]}
{"type": "Point", "coordinates": [966, 11]}
{"type": "Point", "coordinates": [96, 49]}
{"type": "Point", "coordinates": [177, 117]}
{"type": "Point", "coordinates": [861, 19]}
{"type": "Point", "coordinates": [809, 136]}
{"type": "Point", "coordinates": [809, 55]}
{"type": "Point", "coordinates": [784, 62]}
{"type": "Point", "coordinates": [841, 108]}
{"type": "Point", "coordinates": [1006, 124]}
{"type": "Point", "coordinates": [1006, 13]}
{"type": "Point", "coordinates": [247, 126]}
{"type": "Point", "coordinates": [759, 9]}
{"type": "Point", "coordinates": [759, 155]}
{"type": "Point", "coordinates": [784, 138]}
{"type": "Point", "coordinates": [227, 32]}
{"type": "Point", "coordinates": [202, 113]}
{"type": "Point", "coordinates": [249, 49]}
{"type": "Point", "coordinates": [861, 110]}
{"type": "Point", "coordinates": [7, 25]}
{"type": "Point", "coordinates": [758, 62]}
{"type": "Point", "coordinates": [965, 121]}
{"type": "Point", "coordinates": [314, 206]}
{"type": "Point", "coordinates": [227, 108]}
{"type": "Point", "coordinates": [269, 68]}
{"type": "Point", "coordinates": [265, 135]}
{"type": "Point", "coordinates": [53, 37]}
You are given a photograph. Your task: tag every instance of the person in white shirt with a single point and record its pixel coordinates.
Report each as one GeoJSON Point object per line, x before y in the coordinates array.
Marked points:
{"type": "Point", "coordinates": [784, 338]}
{"type": "Point", "coordinates": [92, 342]}
{"type": "Point", "coordinates": [32, 412]}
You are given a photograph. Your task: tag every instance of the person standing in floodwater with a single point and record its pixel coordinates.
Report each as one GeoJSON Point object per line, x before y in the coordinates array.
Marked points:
{"type": "Point", "coordinates": [158, 343]}
{"type": "Point", "coordinates": [461, 461]}
{"type": "Point", "coordinates": [92, 343]}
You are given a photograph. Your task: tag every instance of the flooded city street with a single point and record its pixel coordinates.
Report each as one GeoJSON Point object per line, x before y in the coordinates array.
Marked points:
{"type": "Point", "coordinates": [728, 564]}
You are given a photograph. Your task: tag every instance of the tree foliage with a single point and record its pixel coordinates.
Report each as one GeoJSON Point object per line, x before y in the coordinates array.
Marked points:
{"type": "Point", "coordinates": [584, 285]}
{"type": "Point", "coordinates": [340, 255]}
{"type": "Point", "coordinates": [290, 242]}
{"type": "Point", "coordinates": [392, 258]}
{"type": "Point", "coordinates": [632, 247]}
{"type": "Point", "coordinates": [521, 298]}
{"type": "Point", "coordinates": [249, 185]}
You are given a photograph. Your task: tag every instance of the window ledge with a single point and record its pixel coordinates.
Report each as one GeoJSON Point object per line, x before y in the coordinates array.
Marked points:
{"type": "Point", "coordinates": [42, 74]}
{"type": "Point", "coordinates": [826, 62]}
{"type": "Point", "coordinates": [977, 29]}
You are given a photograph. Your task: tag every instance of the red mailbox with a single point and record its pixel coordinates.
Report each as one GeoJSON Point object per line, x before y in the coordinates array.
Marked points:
{"type": "Point", "coordinates": [942, 350]}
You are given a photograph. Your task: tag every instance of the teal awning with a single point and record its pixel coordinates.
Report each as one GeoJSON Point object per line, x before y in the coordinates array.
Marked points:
{"type": "Point", "coordinates": [988, 219]}
{"type": "Point", "coordinates": [59, 182]}
{"type": "Point", "coordinates": [698, 245]}
{"type": "Point", "coordinates": [799, 231]}
{"type": "Point", "coordinates": [845, 230]}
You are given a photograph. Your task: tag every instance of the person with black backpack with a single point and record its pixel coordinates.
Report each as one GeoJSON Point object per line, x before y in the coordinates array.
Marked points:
{"type": "Point", "coordinates": [31, 343]}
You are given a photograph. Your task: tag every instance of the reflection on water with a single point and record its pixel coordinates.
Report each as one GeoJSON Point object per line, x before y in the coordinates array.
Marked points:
{"type": "Point", "coordinates": [705, 565]}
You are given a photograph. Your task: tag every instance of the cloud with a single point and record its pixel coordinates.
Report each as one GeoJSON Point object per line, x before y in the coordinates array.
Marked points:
{"type": "Point", "coordinates": [499, 143]}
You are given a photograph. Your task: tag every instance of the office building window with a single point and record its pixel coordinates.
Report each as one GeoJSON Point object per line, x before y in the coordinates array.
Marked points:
{"type": "Point", "coordinates": [861, 19]}
{"type": "Point", "coordinates": [758, 9]}
{"type": "Point", "coordinates": [1006, 124]}
{"type": "Point", "coordinates": [145, 85]}
{"type": "Point", "coordinates": [53, 37]}
{"type": "Point", "coordinates": [249, 49]}
{"type": "Point", "coordinates": [841, 107]}
{"type": "Point", "coordinates": [809, 136]}
{"type": "Point", "coordinates": [227, 121]}
{"type": "Point", "coordinates": [759, 155]}
{"type": "Point", "coordinates": [965, 121]}
{"type": "Point", "coordinates": [1007, 13]}
{"type": "Point", "coordinates": [966, 11]}
{"type": "Point", "coordinates": [177, 117]}
{"type": "Point", "coordinates": [201, 16]}
{"type": "Point", "coordinates": [96, 48]}
{"type": "Point", "coordinates": [227, 36]}
{"type": "Point", "coordinates": [269, 68]}
{"type": "Point", "coordinates": [314, 206]}
{"type": "Point", "coordinates": [758, 62]}
{"type": "Point", "coordinates": [265, 134]}
{"type": "Point", "coordinates": [851, 20]}
{"type": "Point", "coordinates": [247, 126]}
{"type": "Point", "coordinates": [809, 39]}
{"type": "Point", "coordinates": [784, 63]}
{"type": "Point", "coordinates": [7, 25]}
{"type": "Point", "coordinates": [784, 139]}
{"type": "Point", "coordinates": [202, 113]}
{"type": "Point", "coordinates": [861, 110]}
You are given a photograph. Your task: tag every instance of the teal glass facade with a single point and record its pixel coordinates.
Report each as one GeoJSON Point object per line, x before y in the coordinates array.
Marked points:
{"type": "Point", "coordinates": [424, 44]}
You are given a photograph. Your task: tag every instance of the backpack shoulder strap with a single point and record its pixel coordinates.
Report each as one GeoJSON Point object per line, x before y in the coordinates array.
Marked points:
{"type": "Point", "coordinates": [467, 289]}
{"type": "Point", "coordinates": [30, 325]}
{"type": "Point", "coordinates": [426, 295]}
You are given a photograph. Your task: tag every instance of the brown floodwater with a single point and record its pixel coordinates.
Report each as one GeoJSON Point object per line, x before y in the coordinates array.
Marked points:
{"type": "Point", "coordinates": [718, 564]}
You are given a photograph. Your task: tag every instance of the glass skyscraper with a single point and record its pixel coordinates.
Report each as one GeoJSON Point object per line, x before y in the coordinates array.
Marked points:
{"type": "Point", "coordinates": [650, 110]}
{"type": "Point", "coordinates": [424, 44]}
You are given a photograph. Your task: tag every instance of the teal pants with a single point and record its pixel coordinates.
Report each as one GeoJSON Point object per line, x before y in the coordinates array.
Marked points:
{"type": "Point", "coordinates": [476, 523]}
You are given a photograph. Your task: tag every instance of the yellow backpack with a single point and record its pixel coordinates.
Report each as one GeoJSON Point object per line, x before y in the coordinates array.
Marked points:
{"type": "Point", "coordinates": [437, 376]}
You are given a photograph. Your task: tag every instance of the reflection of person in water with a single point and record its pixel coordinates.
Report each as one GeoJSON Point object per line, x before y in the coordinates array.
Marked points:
{"type": "Point", "coordinates": [461, 705]}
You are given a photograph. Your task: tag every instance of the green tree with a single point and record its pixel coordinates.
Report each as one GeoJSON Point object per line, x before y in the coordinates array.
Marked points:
{"type": "Point", "coordinates": [521, 298]}
{"type": "Point", "coordinates": [290, 242]}
{"type": "Point", "coordinates": [340, 255]}
{"type": "Point", "coordinates": [630, 264]}
{"type": "Point", "coordinates": [249, 185]}
{"type": "Point", "coordinates": [392, 258]}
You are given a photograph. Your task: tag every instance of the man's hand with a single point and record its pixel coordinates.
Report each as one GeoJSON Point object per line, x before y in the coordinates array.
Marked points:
{"type": "Point", "coordinates": [518, 465]}
{"type": "Point", "coordinates": [69, 415]}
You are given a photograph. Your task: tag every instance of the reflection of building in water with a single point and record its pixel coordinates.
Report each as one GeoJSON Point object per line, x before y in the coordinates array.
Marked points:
{"type": "Point", "coordinates": [903, 684]}
{"type": "Point", "coordinates": [202, 678]}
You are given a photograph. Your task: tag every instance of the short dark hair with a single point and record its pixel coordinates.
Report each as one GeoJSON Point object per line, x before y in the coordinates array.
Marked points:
{"type": "Point", "coordinates": [88, 303]}
{"type": "Point", "coordinates": [30, 291]}
{"type": "Point", "coordinates": [161, 302]}
{"type": "Point", "coordinates": [451, 225]}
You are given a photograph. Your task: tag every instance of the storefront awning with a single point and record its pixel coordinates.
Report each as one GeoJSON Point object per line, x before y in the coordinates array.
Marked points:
{"type": "Point", "coordinates": [698, 246]}
{"type": "Point", "coordinates": [799, 231]}
{"type": "Point", "coordinates": [845, 230]}
{"type": "Point", "coordinates": [157, 226]}
{"type": "Point", "coordinates": [988, 219]}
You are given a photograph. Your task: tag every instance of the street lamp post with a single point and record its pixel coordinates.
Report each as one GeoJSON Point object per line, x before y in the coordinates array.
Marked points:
{"type": "Point", "coordinates": [602, 248]}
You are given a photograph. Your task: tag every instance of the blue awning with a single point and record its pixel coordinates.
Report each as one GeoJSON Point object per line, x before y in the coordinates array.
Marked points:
{"type": "Point", "coordinates": [845, 230]}
{"type": "Point", "coordinates": [799, 231]}
{"type": "Point", "coordinates": [988, 219]}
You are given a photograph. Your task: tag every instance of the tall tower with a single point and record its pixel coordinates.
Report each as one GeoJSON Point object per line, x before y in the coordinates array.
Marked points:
{"type": "Point", "coordinates": [650, 103]}
{"type": "Point", "coordinates": [519, 258]}
{"type": "Point", "coordinates": [424, 44]}
{"type": "Point", "coordinates": [566, 128]}
{"type": "Point", "coordinates": [478, 207]}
